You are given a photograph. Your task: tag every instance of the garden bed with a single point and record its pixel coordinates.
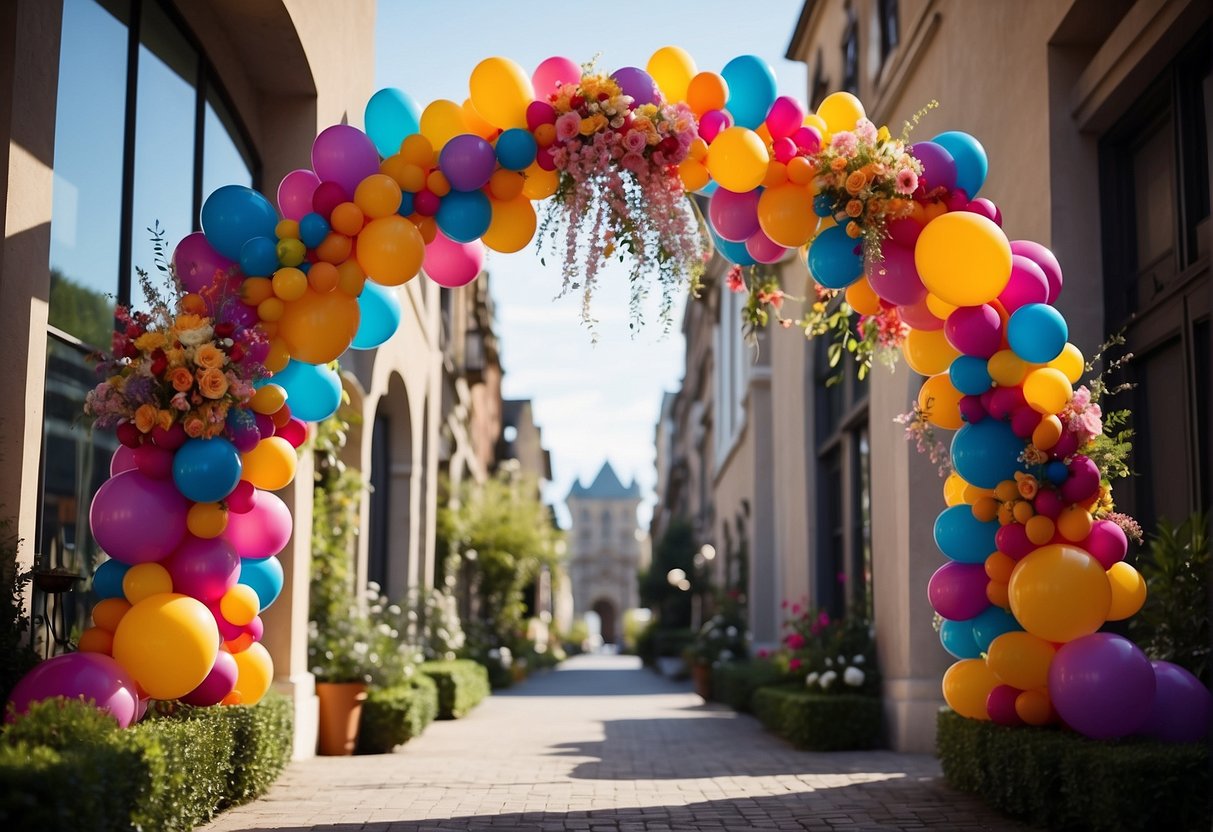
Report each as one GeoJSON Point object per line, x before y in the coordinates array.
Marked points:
{"type": "Point", "coordinates": [734, 683]}
{"type": "Point", "coordinates": [462, 684]}
{"type": "Point", "coordinates": [819, 722]}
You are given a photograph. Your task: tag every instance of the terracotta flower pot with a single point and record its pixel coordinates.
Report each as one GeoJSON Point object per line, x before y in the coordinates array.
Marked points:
{"type": "Point", "coordinates": [701, 675]}
{"type": "Point", "coordinates": [340, 712]}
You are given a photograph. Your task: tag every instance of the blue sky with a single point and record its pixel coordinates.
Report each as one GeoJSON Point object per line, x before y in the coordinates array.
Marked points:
{"type": "Point", "coordinates": [594, 402]}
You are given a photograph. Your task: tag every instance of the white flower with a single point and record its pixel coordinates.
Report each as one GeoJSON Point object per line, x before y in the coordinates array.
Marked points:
{"type": "Point", "coordinates": [853, 676]}
{"type": "Point", "coordinates": [842, 660]}
{"type": "Point", "coordinates": [858, 660]}
{"type": "Point", "coordinates": [829, 662]}
{"type": "Point", "coordinates": [811, 679]}
{"type": "Point", "coordinates": [726, 655]}
{"type": "Point", "coordinates": [731, 632]}
{"type": "Point", "coordinates": [827, 679]}
{"type": "Point", "coordinates": [394, 609]}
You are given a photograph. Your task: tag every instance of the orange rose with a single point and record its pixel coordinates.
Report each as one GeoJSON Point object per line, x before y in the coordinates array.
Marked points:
{"type": "Point", "coordinates": [840, 163]}
{"type": "Point", "coordinates": [854, 208]}
{"type": "Point", "coordinates": [853, 230]}
{"type": "Point", "coordinates": [193, 428]}
{"type": "Point", "coordinates": [164, 419]}
{"type": "Point", "coordinates": [145, 418]}
{"type": "Point", "coordinates": [855, 182]}
{"type": "Point", "coordinates": [1027, 487]}
{"type": "Point", "coordinates": [181, 379]}
{"type": "Point", "coordinates": [209, 356]}
{"type": "Point", "coordinates": [212, 383]}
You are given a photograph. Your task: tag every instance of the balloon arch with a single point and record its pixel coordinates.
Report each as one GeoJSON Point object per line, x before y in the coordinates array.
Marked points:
{"type": "Point", "coordinates": [210, 393]}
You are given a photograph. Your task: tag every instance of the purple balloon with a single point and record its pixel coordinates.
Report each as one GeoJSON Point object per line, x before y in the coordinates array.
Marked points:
{"type": "Point", "coordinates": [204, 568]}
{"type": "Point", "coordinates": [263, 531]}
{"type": "Point", "coordinates": [295, 193]}
{"type": "Point", "coordinates": [1044, 258]}
{"type": "Point", "coordinates": [974, 330]}
{"type": "Point", "coordinates": [734, 215]}
{"type": "Point", "coordinates": [957, 591]}
{"type": "Point", "coordinates": [218, 683]}
{"type": "Point", "coordinates": [938, 166]}
{"type": "Point", "coordinates": [1102, 685]}
{"type": "Point", "coordinates": [87, 676]}
{"type": "Point", "coordinates": [345, 155]}
{"type": "Point", "coordinates": [136, 519]}
{"type": "Point", "coordinates": [636, 83]}
{"type": "Point", "coordinates": [1028, 284]}
{"type": "Point", "coordinates": [122, 460]}
{"type": "Point", "coordinates": [763, 249]}
{"type": "Point", "coordinates": [895, 278]}
{"type": "Point", "coordinates": [1182, 708]}
{"type": "Point", "coordinates": [196, 262]}
{"type": "Point", "coordinates": [467, 161]}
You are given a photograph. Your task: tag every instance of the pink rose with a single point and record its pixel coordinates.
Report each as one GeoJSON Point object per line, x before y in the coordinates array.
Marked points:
{"type": "Point", "coordinates": [568, 126]}
{"type": "Point", "coordinates": [634, 141]}
{"type": "Point", "coordinates": [633, 162]}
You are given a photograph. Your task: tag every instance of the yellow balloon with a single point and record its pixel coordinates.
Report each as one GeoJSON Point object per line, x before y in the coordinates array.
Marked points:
{"type": "Point", "coordinates": [501, 91]}
{"type": "Point", "coordinates": [512, 225]}
{"type": "Point", "coordinates": [1047, 390]}
{"type": "Point", "coordinates": [390, 251]}
{"type": "Point", "coordinates": [441, 121]}
{"type": "Point", "coordinates": [1069, 362]}
{"type": "Point", "coordinates": [963, 258]}
{"type": "Point", "coordinates": [672, 69]}
{"type": "Point", "coordinates": [862, 298]}
{"type": "Point", "coordinates": [953, 489]}
{"type": "Point", "coordinates": [1006, 368]}
{"type": "Point", "coordinates": [268, 399]}
{"type": "Point", "coordinates": [96, 640]}
{"type": "Point", "coordinates": [939, 402]}
{"type": "Point", "coordinates": [107, 614]}
{"type": "Point", "coordinates": [254, 673]}
{"type": "Point", "coordinates": [144, 580]}
{"type": "Point", "coordinates": [814, 120]}
{"type": "Point", "coordinates": [206, 520]}
{"type": "Point", "coordinates": [1047, 433]}
{"type": "Point", "coordinates": [928, 352]}
{"type": "Point", "coordinates": [785, 214]}
{"type": "Point", "coordinates": [289, 283]}
{"type": "Point", "coordinates": [1128, 591]}
{"type": "Point", "coordinates": [840, 111]}
{"type": "Point", "coordinates": [1060, 593]}
{"type": "Point", "coordinates": [540, 183]}
{"type": "Point", "coordinates": [737, 159]}
{"type": "Point", "coordinates": [270, 465]}
{"type": "Point", "coordinates": [168, 643]}
{"type": "Point", "coordinates": [939, 308]}
{"type": "Point", "coordinates": [377, 196]}
{"type": "Point", "coordinates": [319, 327]}
{"type": "Point", "coordinates": [476, 122]}
{"type": "Point", "coordinates": [967, 685]}
{"type": "Point", "coordinates": [1021, 660]}
{"type": "Point", "coordinates": [240, 605]}
{"type": "Point", "coordinates": [694, 174]}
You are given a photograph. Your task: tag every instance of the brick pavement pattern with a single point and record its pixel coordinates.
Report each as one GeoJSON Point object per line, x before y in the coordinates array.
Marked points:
{"type": "Point", "coordinates": [601, 745]}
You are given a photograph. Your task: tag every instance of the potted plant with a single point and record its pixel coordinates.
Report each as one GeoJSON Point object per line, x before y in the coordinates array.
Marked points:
{"type": "Point", "coordinates": [721, 639]}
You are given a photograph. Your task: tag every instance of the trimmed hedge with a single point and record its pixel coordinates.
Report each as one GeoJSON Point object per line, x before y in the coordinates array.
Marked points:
{"type": "Point", "coordinates": [734, 683]}
{"type": "Point", "coordinates": [393, 716]}
{"type": "Point", "coordinates": [67, 766]}
{"type": "Point", "coordinates": [1060, 780]}
{"type": "Point", "coordinates": [462, 683]}
{"type": "Point", "coordinates": [819, 722]}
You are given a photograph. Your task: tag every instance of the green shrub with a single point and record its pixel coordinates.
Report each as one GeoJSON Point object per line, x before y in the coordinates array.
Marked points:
{"type": "Point", "coordinates": [734, 683]}
{"type": "Point", "coordinates": [1063, 781]}
{"type": "Point", "coordinates": [393, 716]}
{"type": "Point", "coordinates": [168, 773]}
{"type": "Point", "coordinates": [462, 683]}
{"type": "Point", "coordinates": [819, 722]}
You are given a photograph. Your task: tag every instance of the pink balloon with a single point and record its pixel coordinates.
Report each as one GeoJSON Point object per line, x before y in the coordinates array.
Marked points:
{"type": "Point", "coordinates": [974, 330]}
{"type": "Point", "coordinates": [1012, 540]}
{"type": "Point", "coordinates": [262, 531]}
{"type": "Point", "coordinates": [327, 197]}
{"type": "Point", "coordinates": [1083, 482]}
{"type": "Point", "coordinates": [957, 591]}
{"type": "Point", "coordinates": [553, 72]}
{"type": "Point", "coordinates": [712, 122]}
{"type": "Point", "coordinates": [1028, 284]}
{"type": "Point", "coordinates": [895, 278]}
{"type": "Point", "coordinates": [218, 683]}
{"type": "Point", "coordinates": [539, 113]}
{"type": "Point", "coordinates": [905, 232]}
{"type": "Point", "coordinates": [1049, 503]}
{"type": "Point", "coordinates": [1003, 401]}
{"type": "Point", "coordinates": [204, 568]}
{"type": "Point", "coordinates": [89, 676]}
{"type": "Point", "coordinates": [762, 248]}
{"type": "Point", "coordinates": [453, 264]}
{"type": "Point", "coordinates": [785, 117]}
{"type": "Point", "coordinates": [987, 209]}
{"type": "Point", "coordinates": [1043, 258]}
{"type": "Point", "coordinates": [345, 155]}
{"type": "Point", "coordinates": [919, 316]}
{"type": "Point", "coordinates": [972, 410]}
{"type": "Point", "coordinates": [196, 262]}
{"type": "Point", "coordinates": [122, 460]}
{"type": "Point", "coordinates": [1107, 543]}
{"type": "Point", "coordinates": [1024, 420]}
{"type": "Point", "coordinates": [295, 193]}
{"type": "Point", "coordinates": [1000, 705]}
{"type": "Point", "coordinates": [154, 461]}
{"type": "Point", "coordinates": [808, 139]}
{"type": "Point", "coordinates": [294, 431]}
{"type": "Point", "coordinates": [136, 519]}
{"type": "Point", "coordinates": [170, 439]}
{"type": "Point", "coordinates": [242, 500]}
{"type": "Point", "coordinates": [734, 216]}
{"type": "Point", "coordinates": [785, 149]}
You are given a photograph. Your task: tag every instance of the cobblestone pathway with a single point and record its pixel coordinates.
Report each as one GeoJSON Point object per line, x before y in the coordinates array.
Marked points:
{"type": "Point", "coordinates": [601, 744]}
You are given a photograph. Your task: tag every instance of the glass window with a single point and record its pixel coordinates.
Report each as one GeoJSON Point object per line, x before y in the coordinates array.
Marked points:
{"type": "Point", "coordinates": [226, 159]}
{"type": "Point", "coordinates": [850, 53]}
{"type": "Point", "coordinates": [887, 11]}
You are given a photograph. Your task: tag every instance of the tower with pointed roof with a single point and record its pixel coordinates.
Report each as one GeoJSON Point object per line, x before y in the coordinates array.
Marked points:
{"type": "Point", "coordinates": [604, 550]}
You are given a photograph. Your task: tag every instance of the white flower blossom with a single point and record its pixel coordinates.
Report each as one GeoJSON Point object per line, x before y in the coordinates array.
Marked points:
{"type": "Point", "coordinates": [827, 679]}
{"type": "Point", "coordinates": [853, 676]}
{"type": "Point", "coordinates": [829, 662]}
{"type": "Point", "coordinates": [858, 660]}
{"type": "Point", "coordinates": [811, 679]}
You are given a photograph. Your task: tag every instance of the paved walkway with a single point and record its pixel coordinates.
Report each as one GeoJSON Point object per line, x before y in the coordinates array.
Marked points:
{"type": "Point", "coordinates": [601, 745]}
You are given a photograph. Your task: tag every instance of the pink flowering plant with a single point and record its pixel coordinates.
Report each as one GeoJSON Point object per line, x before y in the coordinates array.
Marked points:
{"type": "Point", "coordinates": [829, 655]}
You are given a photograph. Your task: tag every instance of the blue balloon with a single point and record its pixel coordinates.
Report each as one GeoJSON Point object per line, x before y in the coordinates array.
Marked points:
{"type": "Point", "coordinates": [265, 577]}
{"type": "Point", "coordinates": [972, 164]}
{"type": "Point", "coordinates": [516, 149]}
{"type": "Point", "coordinates": [823, 205]}
{"type": "Point", "coordinates": [380, 316]}
{"type": "Point", "coordinates": [1037, 333]}
{"type": "Point", "coordinates": [987, 452]}
{"type": "Point", "coordinates": [313, 228]}
{"type": "Point", "coordinates": [733, 252]}
{"type": "Point", "coordinates": [233, 215]}
{"type": "Point", "coordinates": [834, 258]}
{"type": "Point", "coordinates": [962, 537]}
{"type": "Point", "coordinates": [709, 189]}
{"type": "Point", "coordinates": [464, 215]}
{"type": "Point", "coordinates": [107, 579]}
{"type": "Point", "coordinates": [752, 89]}
{"type": "Point", "coordinates": [390, 116]}
{"type": "Point", "coordinates": [992, 623]}
{"type": "Point", "coordinates": [969, 375]}
{"type": "Point", "coordinates": [407, 203]}
{"type": "Point", "coordinates": [955, 636]}
{"type": "Point", "coordinates": [207, 470]}
{"type": "Point", "coordinates": [259, 257]}
{"type": "Point", "coordinates": [1057, 472]}
{"type": "Point", "coordinates": [313, 391]}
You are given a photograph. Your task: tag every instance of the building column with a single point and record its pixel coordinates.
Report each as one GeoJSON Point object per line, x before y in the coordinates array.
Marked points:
{"type": "Point", "coordinates": [763, 591]}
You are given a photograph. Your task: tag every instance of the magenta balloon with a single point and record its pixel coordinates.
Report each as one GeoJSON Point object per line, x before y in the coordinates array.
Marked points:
{"type": "Point", "coordinates": [1000, 705]}
{"type": "Point", "coordinates": [1049, 503]}
{"type": "Point", "coordinates": [122, 460]}
{"type": "Point", "coordinates": [762, 248]}
{"type": "Point", "coordinates": [154, 461]}
{"type": "Point", "coordinates": [1012, 540]}
{"type": "Point", "coordinates": [89, 676]}
{"type": "Point", "coordinates": [218, 683]}
{"type": "Point", "coordinates": [552, 73]}
{"type": "Point", "coordinates": [1043, 258]}
{"type": "Point", "coordinates": [636, 83]}
{"type": "Point", "coordinates": [295, 193]}
{"type": "Point", "coordinates": [261, 532]}
{"type": "Point", "coordinates": [196, 262]}
{"type": "Point", "coordinates": [734, 216]}
{"type": "Point", "coordinates": [895, 277]}
{"type": "Point", "coordinates": [453, 264]}
{"type": "Point", "coordinates": [987, 209]}
{"type": "Point", "coordinates": [1003, 401]}
{"type": "Point", "coordinates": [1107, 543]}
{"type": "Point", "coordinates": [972, 410]}
{"type": "Point", "coordinates": [539, 113]}
{"type": "Point", "coordinates": [345, 155]}
{"type": "Point", "coordinates": [1182, 706]}
{"type": "Point", "coordinates": [1083, 482]}
{"type": "Point", "coordinates": [467, 161]}
{"type": "Point", "coordinates": [974, 330]}
{"type": "Point", "coordinates": [785, 117]}
{"type": "Point", "coordinates": [905, 232]}
{"type": "Point", "coordinates": [1024, 421]}
{"type": "Point", "coordinates": [808, 139]}
{"type": "Point", "coordinates": [204, 568]}
{"type": "Point", "coordinates": [136, 519]}
{"type": "Point", "coordinates": [1028, 284]}
{"type": "Point", "coordinates": [1102, 685]}
{"type": "Point", "coordinates": [957, 591]}
{"type": "Point", "coordinates": [294, 431]}
{"type": "Point", "coordinates": [711, 123]}
{"type": "Point", "coordinates": [920, 316]}
{"type": "Point", "coordinates": [242, 500]}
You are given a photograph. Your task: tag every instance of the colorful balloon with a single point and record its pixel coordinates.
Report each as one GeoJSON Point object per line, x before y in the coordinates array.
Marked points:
{"type": "Point", "coordinates": [168, 644]}
{"type": "Point", "coordinates": [91, 677]}
{"type": "Point", "coordinates": [119, 516]}
{"type": "Point", "coordinates": [390, 116]}
{"type": "Point", "coordinates": [1102, 685]}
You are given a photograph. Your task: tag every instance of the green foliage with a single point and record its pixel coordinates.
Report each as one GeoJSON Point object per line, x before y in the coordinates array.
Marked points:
{"type": "Point", "coordinates": [1173, 625]}
{"type": "Point", "coordinates": [369, 643]}
{"type": "Point", "coordinates": [462, 684]}
{"type": "Point", "coordinates": [734, 683]}
{"type": "Point", "coordinates": [168, 773]}
{"type": "Point", "coordinates": [1062, 781]}
{"type": "Point", "coordinates": [819, 723]}
{"type": "Point", "coordinates": [721, 639]}
{"type": "Point", "coordinates": [392, 716]}
{"type": "Point", "coordinates": [335, 510]}
{"type": "Point", "coordinates": [675, 550]}
{"type": "Point", "coordinates": [80, 311]}
{"type": "Point", "coordinates": [1113, 448]}
{"type": "Point", "coordinates": [17, 657]}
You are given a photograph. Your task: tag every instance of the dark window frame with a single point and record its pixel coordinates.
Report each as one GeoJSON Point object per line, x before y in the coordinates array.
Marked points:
{"type": "Point", "coordinates": [890, 27]}
{"type": "Point", "coordinates": [850, 52]}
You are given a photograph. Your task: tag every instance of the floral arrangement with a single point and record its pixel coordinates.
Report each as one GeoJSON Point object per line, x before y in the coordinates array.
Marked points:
{"type": "Point", "coordinates": [368, 644]}
{"type": "Point", "coordinates": [619, 190]}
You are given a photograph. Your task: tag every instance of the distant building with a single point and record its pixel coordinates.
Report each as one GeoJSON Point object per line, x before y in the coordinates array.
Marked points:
{"type": "Point", "coordinates": [605, 550]}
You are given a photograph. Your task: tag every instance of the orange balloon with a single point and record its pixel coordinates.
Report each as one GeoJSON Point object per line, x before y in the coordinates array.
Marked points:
{"type": "Point", "coordinates": [323, 277]}
{"type": "Point", "coordinates": [378, 195]}
{"type": "Point", "coordinates": [1128, 591]}
{"type": "Point", "coordinates": [693, 174]}
{"type": "Point", "coordinates": [347, 218]}
{"type": "Point", "coordinates": [512, 225]}
{"type": "Point", "coordinates": [254, 673]}
{"type": "Point", "coordinates": [427, 226]}
{"type": "Point", "coordinates": [1059, 593]}
{"type": "Point", "coordinates": [1021, 660]}
{"type": "Point", "coordinates": [1047, 433]}
{"type": "Point", "coordinates": [240, 605]}
{"type": "Point", "coordinates": [350, 278]}
{"type": "Point", "coordinates": [800, 170]}
{"type": "Point", "coordinates": [998, 594]}
{"type": "Point", "coordinates": [1034, 707]}
{"type": "Point", "coordinates": [108, 612]}
{"type": "Point", "coordinates": [862, 298]}
{"type": "Point", "coordinates": [928, 352]}
{"type": "Point", "coordinates": [268, 399]}
{"type": "Point", "coordinates": [707, 91]}
{"type": "Point", "coordinates": [96, 640]}
{"type": "Point", "coordinates": [143, 580]}
{"type": "Point", "coordinates": [278, 355]}
{"type": "Point", "coordinates": [967, 685]}
{"type": "Point", "coordinates": [335, 248]}
{"type": "Point", "coordinates": [318, 328]}
{"type": "Point", "coordinates": [254, 290]}
{"type": "Point", "coordinates": [777, 174]}
{"type": "Point", "coordinates": [999, 567]}
{"type": "Point", "coordinates": [206, 520]}
{"type": "Point", "coordinates": [1074, 523]}
{"type": "Point", "coordinates": [540, 183]}
{"type": "Point", "coordinates": [390, 251]}
{"type": "Point", "coordinates": [417, 150]}
{"type": "Point", "coordinates": [270, 465]}
{"type": "Point", "coordinates": [939, 400]}
{"type": "Point", "coordinates": [476, 123]}
{"type": "Point", "coordinates": [504, 184]}
{"type": "Point", "coordinates": [785, 214]}
{"type": "Point", "coordinates": [437, 183]}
